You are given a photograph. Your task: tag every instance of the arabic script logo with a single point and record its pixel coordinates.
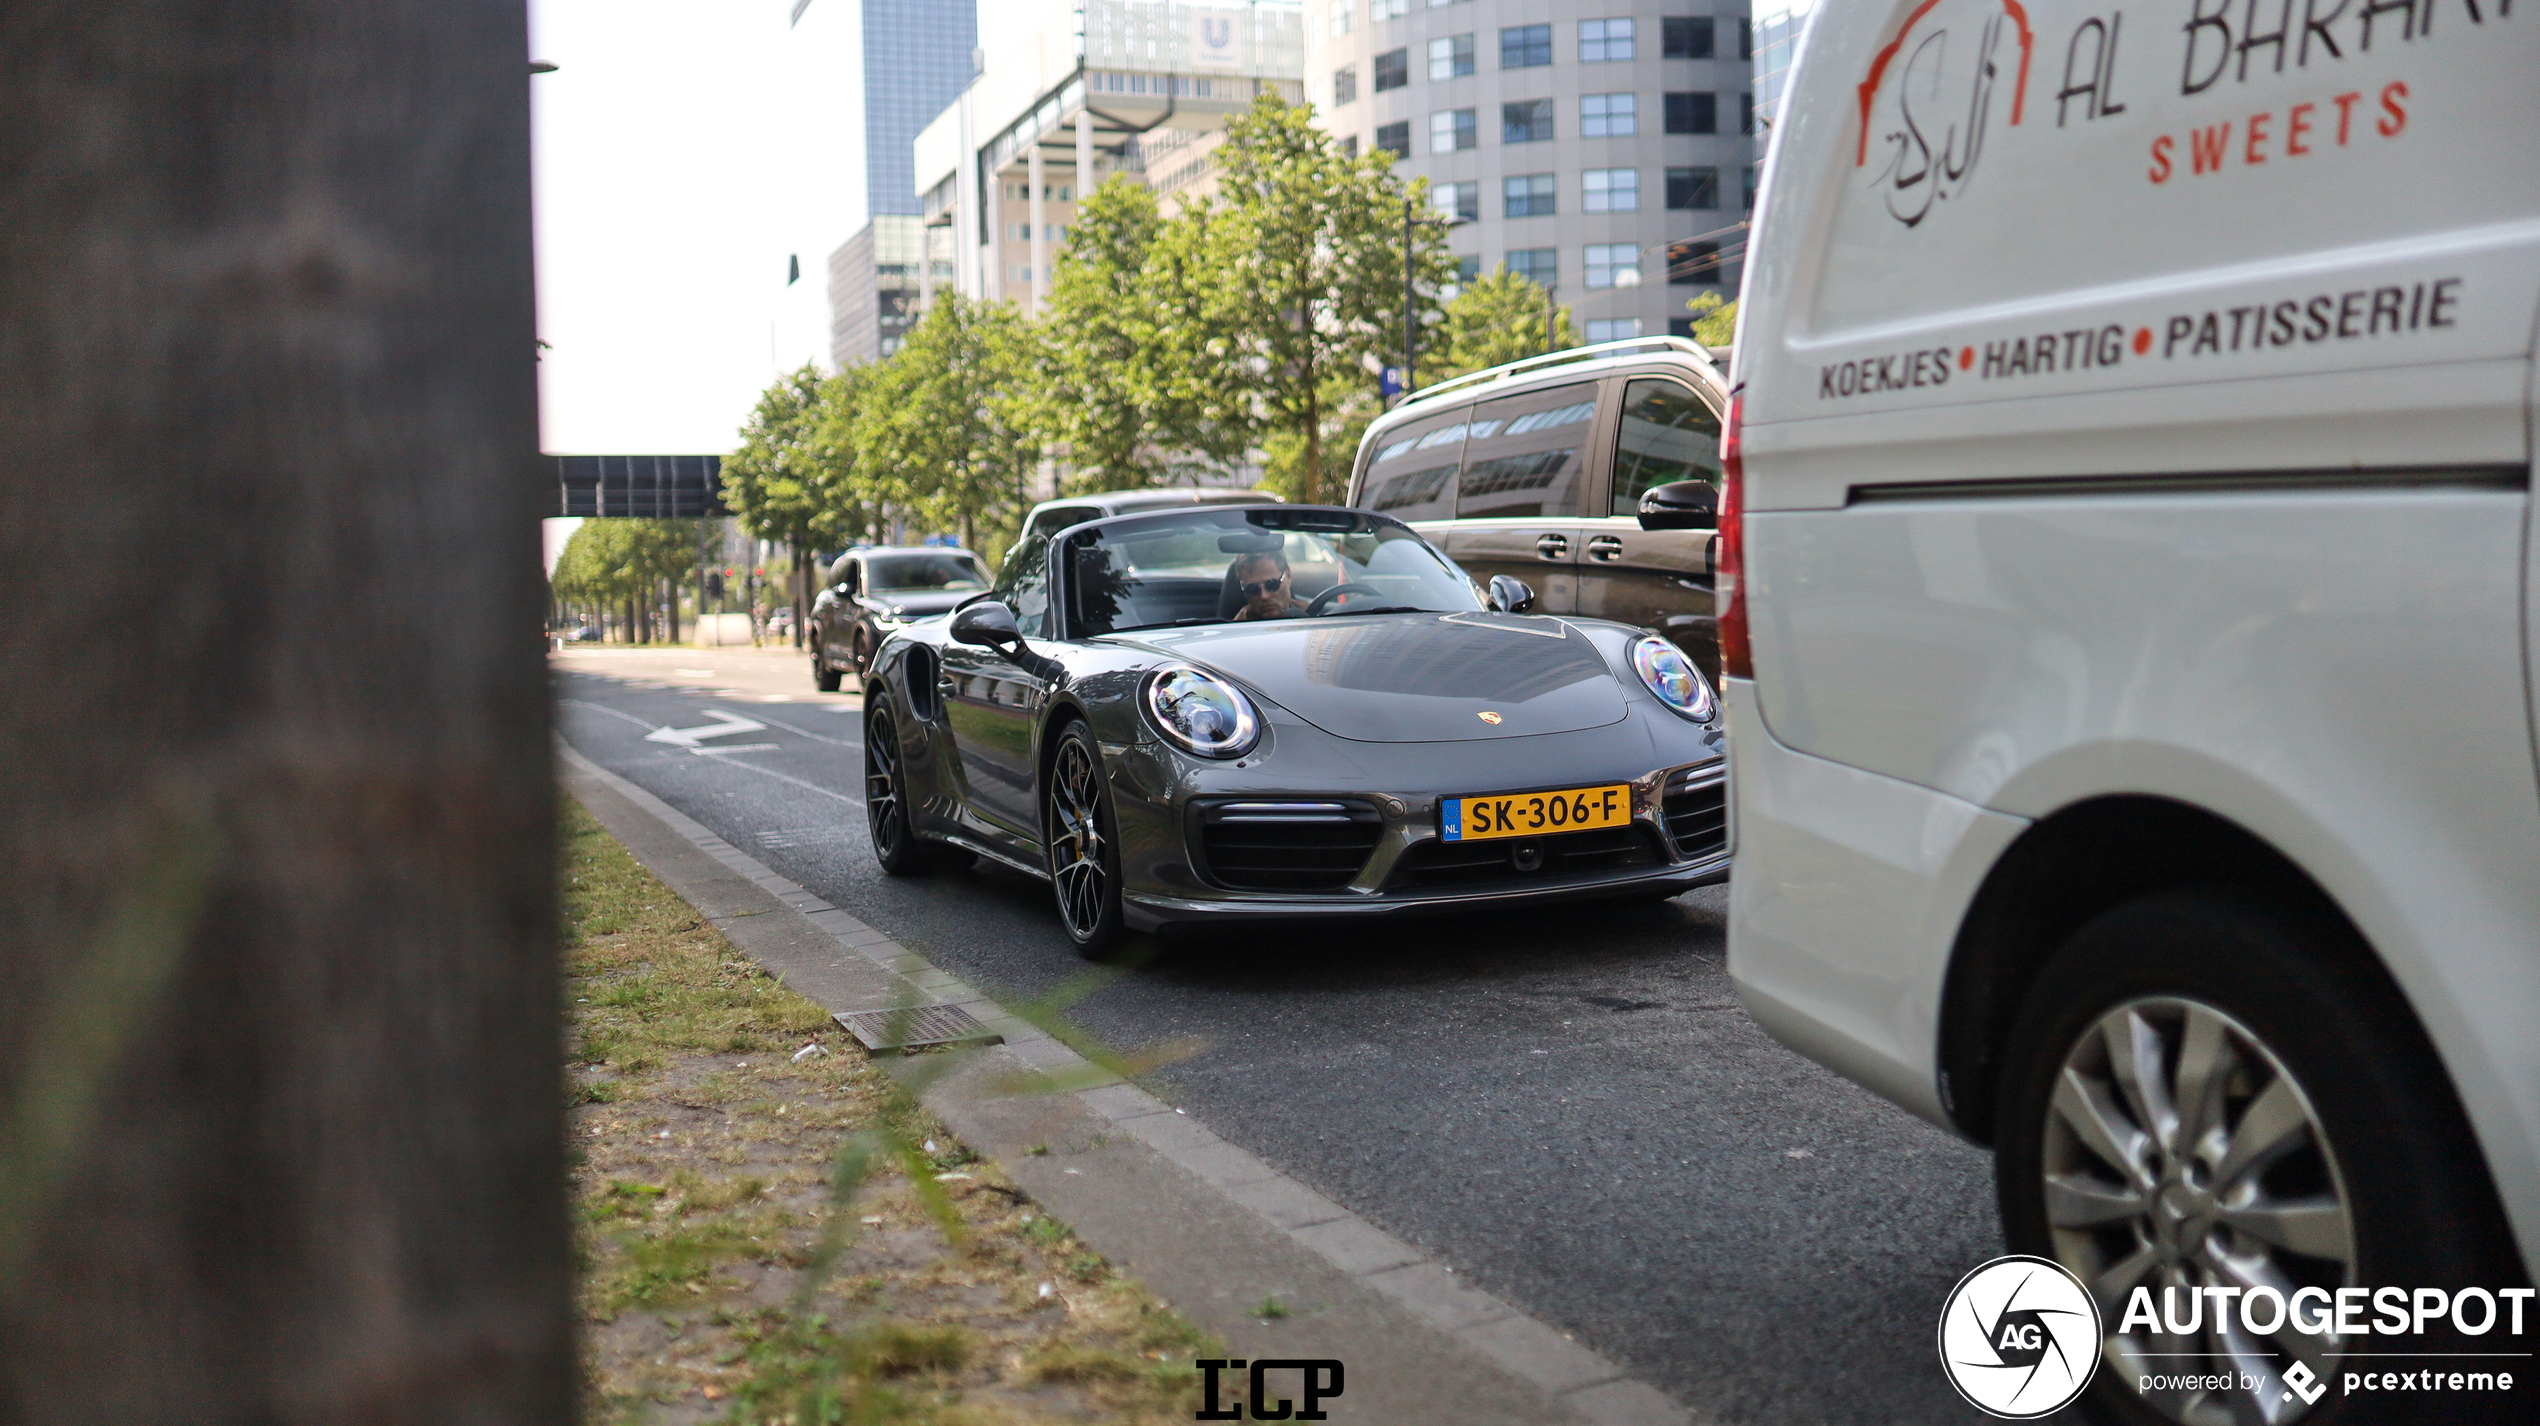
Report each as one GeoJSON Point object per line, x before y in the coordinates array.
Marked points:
{"type": "Point", "coordinates": [2019, 1337]}
{"type": "Point", "coordinates": [1929, 113]}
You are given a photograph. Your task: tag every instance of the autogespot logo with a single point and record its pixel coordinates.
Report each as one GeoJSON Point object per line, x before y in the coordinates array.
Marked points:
{"type": "Point", "coordinates": [2019, 1337]}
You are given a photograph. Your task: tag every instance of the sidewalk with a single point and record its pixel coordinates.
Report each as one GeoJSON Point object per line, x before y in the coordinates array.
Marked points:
{"type": "Point", "coordinates": [1203, 1223]}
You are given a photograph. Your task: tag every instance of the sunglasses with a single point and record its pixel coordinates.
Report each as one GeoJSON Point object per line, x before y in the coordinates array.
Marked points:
{"type": "Point", "coordinates": [1267, 586]}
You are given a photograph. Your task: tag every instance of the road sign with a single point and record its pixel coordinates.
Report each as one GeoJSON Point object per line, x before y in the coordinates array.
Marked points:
{"type": "Point", "coordinates": [642, 487]}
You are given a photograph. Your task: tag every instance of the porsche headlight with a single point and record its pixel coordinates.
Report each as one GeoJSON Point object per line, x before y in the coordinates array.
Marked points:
{"type": "Point", "coordinates": [1201, 713]}
{"type": "Point", "coordinates": [1672, 677]}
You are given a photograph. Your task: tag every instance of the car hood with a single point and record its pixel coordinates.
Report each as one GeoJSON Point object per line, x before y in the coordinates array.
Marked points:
{"type": "Point", "coordinates": [916, 606]}
{"type": "Point", "coordinates": [1413, 678]}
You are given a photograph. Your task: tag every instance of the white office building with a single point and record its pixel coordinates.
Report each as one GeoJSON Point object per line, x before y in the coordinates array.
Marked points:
{"type": "Point", "coordinates": [1604, 148]}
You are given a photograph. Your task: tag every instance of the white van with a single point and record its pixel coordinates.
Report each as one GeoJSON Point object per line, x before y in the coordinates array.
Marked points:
{"type": "Point", "coordinates": [2128, 618]}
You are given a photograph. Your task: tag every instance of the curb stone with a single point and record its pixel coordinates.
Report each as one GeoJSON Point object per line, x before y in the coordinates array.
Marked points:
{"type": "Point", "coordinates": [1204, 1223]}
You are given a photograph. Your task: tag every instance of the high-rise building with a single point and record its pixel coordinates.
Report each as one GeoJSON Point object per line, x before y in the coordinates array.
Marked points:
{"type": "Point", "coordinates": [1603, 148]}
{"type": "Point", "coordinates": [1099, 87]}
{"type": "Point", "coordinates": [905, 60]}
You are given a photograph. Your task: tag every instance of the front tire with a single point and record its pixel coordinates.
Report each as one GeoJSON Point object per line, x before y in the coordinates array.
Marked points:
{"type": "Point", "coordinates": [823, 677]}
{"type": "Point", "coordinates": [2204, 1089]}
{"type": "Point", "coordinates": [1082, 844]}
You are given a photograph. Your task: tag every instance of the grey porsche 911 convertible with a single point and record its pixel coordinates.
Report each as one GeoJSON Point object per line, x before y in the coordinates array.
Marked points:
{"type": "Point", "coordinates": [1237, 713]}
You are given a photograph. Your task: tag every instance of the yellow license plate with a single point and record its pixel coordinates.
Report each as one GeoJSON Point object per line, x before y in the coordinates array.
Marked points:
{"type": "Point", "coordinates": [1535, 814]}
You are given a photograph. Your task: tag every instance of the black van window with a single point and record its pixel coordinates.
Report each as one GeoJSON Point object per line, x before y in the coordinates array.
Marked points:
{"type": "Point", "coordinates": [1668, 434]}
{"type": "Point", "coordinates": [1411, 470]}
{"type": "Point", "coordinates": [1524, 457]}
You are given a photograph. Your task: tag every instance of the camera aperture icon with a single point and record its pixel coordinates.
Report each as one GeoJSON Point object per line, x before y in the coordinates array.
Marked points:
{"type": "Point", "coordinates": [2019, 1337]}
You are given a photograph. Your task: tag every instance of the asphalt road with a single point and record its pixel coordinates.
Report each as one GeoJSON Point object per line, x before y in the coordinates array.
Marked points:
{"type": "Point", "coordinates": [1568, 1106]}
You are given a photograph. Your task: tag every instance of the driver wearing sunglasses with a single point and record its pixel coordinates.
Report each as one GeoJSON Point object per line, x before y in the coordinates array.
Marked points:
{"type": "Point", "coordinates": [1268, 590]}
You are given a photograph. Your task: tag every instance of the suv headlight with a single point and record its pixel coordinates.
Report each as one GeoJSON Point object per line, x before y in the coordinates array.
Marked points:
{"type": "Point", "coordinates": [1672, 676]}
{"type": "Point", "coordinates": [1201, 713]}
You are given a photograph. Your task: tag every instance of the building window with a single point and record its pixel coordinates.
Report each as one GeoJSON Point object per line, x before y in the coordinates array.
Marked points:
{"type": "Point", "coordinates": [1746, 113]}
{"type": "Point", "coordinates": [1349, 146]}
{"type": "Point", "coordinates": [1613, 264]}
{"type": "Point", "coordinates": [1468, 267]}
{"type": "Point", "coordinates": [1608, 116]}
{"type": "Point", "coordinates": [1395, 138]}
{"type": "Point", "coordinates": [1746, 39]}
{"type": "Point", "coordinates": [1393, 70]}
{"type": "Point", "coordinates": [1610, 190]}
{"type": "Point", "coordinates": [1693, 188]}
{"type": "Point", "coordinates": [1750, 190]}
{"type": "Point", "coordinates": [1530, 195]}
{"type": "Point", "coordinates": [1693, 264]}
{"type": "Point", "coordinates": [1452, 130]}
{"type": "Point", "coordinates": [1603, 40]}
{"type": "Point", "coordinates": [1695, 113]}
{"type": "Point", "coordinates": [1526, 122]}
{"type": "Point", "coordinates": [1540, 266]}
{"type": "Point", "coordinates": [1442, 4]}
{"type": "Point", "coordinates": [1459, 201]}
{"type": "Point", "coordinates": [1685, 37]}
{"type": "Point", "coordinates": [1344, 17]}
{"type": "Point", "coordinates": [1451, 58]}
{"type": "Point", "coordinates": [1612, 329]}
{"type": "Point", "coordinates": [1525, 46]}
{"type": "Point", "coordinates": [1344, 85]}
{"type": "Point", "coordinates": [1387, 9]}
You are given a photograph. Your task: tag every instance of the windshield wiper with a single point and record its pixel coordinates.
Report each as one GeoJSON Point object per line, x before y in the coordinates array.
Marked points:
{"type": "Point", "coordinates": [1169, 624]}
{"type": "Point", "coordinates": [1384, 609]}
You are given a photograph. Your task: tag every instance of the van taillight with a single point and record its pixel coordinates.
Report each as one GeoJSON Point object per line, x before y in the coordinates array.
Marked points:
{"type": "Point", "coordinates": [1737, 657]}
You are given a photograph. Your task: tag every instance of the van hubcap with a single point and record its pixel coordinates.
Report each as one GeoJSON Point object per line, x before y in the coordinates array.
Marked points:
{"type": "Point", "coordinates": [2180, 1155]}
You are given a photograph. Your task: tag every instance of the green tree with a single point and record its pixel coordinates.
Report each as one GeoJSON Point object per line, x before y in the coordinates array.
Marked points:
{"type": "Point", "coordinates": [945, 428]}
{"type": "Point", "coordinates": [1496, 319]}
{"type": "Point", "coordinates": [1301, 267]}
{"type": "Point", "coordinates": [1118, 311]}
{"type": "Point", "coordinates": [627, 566]}
{"type": "Point", "coordinates": [1714, 319]}
{"type": "Point", "coordinates": [774, 481]}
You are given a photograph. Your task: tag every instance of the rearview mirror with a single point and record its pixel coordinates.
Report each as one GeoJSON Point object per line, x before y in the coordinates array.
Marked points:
{"type": "Point", "coordinates": [1511, 595]}
{"type": "Point", "coordinates": [990, 625]}
{"type": "Point", "coordinates": [1680, 505]}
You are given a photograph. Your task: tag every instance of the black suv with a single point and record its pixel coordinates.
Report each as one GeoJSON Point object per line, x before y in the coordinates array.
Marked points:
{"type": "Point", "coordinates": [873, 592]}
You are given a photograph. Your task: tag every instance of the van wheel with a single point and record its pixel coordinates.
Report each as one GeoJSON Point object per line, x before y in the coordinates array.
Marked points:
{"type": "Point", "coordinates": [2203, 1090]}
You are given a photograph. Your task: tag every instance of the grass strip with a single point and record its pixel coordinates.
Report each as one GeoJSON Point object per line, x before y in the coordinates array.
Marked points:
{"type": "Point", "coordinates": [708, 1192]}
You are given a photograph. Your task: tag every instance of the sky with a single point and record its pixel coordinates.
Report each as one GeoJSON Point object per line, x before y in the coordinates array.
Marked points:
{"type": "Point", "coordinates": [678, 163]}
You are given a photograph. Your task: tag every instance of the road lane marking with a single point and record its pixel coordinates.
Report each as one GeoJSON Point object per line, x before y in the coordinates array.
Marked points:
{"type": "Point", "coordinates": [816, 737]}
{"type": "Point", "coordinates": [724, 725]}
{"type": "Point", "coordinates": [737, 748]}
{"type": "Point", "coordinates": [604, 708]}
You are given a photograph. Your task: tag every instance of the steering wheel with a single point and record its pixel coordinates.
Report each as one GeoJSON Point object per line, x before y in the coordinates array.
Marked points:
{"type": "Point", "coordinates": [1335, 592]}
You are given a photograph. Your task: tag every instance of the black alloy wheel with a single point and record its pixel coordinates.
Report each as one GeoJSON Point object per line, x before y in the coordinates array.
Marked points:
{"type": "Point", "coordinates": [896, 844]}
{"type": "Point", "coordinates": [2208, 1090]}
{"type": "Point", "coordinates": [1082, 843]}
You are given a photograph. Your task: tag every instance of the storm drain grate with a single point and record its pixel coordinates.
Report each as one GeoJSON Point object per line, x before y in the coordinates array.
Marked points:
{"type": "Point", "coordinates": [915, 1028]}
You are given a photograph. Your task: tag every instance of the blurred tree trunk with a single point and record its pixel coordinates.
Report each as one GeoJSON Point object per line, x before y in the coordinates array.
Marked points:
{"type": "Point", "coordinates": [280, 1109]}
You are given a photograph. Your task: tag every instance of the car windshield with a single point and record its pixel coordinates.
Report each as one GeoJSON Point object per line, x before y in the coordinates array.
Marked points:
{"type": "Point", "coordinates": [1230, 566]}
{"type": "Point", "coordinates": [950, 572]}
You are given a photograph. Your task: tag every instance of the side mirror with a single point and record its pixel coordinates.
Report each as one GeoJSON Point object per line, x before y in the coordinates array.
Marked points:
{"type": "Point", "coordinates": [1680, 505]}
{"type": "Point", "coordinates": [990, 625]}
{"type": "Point", "coordinates": [1511, 595]}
